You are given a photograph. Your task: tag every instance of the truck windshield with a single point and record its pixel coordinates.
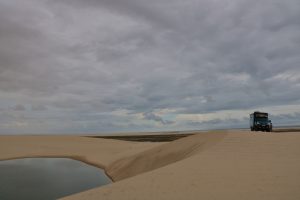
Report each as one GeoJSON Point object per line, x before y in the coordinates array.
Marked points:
{"type": "Point", "coordinates": [262, 119]}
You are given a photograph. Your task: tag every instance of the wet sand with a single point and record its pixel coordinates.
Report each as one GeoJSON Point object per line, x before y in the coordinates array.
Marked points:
{"type": "Point", "coordinates": [214, 165]}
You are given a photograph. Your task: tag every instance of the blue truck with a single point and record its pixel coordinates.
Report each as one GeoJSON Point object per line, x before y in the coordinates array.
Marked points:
{"type": "Point", "coordinates": [259, 121]}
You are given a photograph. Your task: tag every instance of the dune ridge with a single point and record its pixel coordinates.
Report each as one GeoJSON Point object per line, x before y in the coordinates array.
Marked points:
{"type": "Point", "coordinates": [162, 155]}
{"type": "Point", "coordinates": [227, 165]}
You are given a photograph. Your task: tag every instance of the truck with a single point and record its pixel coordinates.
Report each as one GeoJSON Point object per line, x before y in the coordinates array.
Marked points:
{"type": "Point", "coordinates": [259, 121]}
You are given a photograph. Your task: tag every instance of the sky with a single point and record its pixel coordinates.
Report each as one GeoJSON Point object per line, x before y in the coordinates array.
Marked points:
{"type": "Point", "coordinates": [95, 66]}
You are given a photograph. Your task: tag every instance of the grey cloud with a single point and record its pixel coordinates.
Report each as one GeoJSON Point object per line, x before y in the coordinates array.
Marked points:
{"type": "Point", "coordinates": [87, 56]}
{"type": "Point", "coordinates": [19, 107]}
{"type": "Point", "coordinates": [140, 10]}
{"type": "Point", "coordinates": [38, 108]}
{"type": "Point", "coordinates": [220, 124]}
{"type": "Point", "coordinates": [152, 116]}
{"type": "Point", "coordinates": [286, 119]}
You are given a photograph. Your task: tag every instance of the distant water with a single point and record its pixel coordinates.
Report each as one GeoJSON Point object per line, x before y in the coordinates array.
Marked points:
{"type": "Point", "coordinates": [47, 178]}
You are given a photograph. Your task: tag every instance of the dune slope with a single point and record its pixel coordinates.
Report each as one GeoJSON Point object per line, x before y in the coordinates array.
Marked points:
{"type": "Point", "coordinates": [162, 155]}
{"type": "Point", "coordinates": [237, 165]}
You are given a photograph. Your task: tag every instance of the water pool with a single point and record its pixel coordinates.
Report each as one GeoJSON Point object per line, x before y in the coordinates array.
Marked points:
{"type": "Point", "coordinates": [47, 178]}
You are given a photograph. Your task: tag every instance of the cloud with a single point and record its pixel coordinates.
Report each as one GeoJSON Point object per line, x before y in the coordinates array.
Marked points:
{"type": "Point", "coordinates": [19, 107]}
{"type": "Point", "coordinates": [154, 117]}
{"type": "Point", "coordinates": [38, 108]}
{"type": "Point", "coordinates": [85, 57]}
{"type": "Point", "coordinates": [286, 119]}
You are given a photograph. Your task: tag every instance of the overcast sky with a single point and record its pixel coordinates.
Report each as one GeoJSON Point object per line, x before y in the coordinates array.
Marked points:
{"type": "Point", "coordinates": [90, 66]}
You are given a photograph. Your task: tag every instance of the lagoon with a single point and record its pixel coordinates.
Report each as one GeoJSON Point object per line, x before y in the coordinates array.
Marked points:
{"type": "Point", "coordinates": [47, 178]}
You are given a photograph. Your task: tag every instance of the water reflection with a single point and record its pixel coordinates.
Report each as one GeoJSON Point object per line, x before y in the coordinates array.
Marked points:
{"type": "Point", "coordinates": [47, 178]}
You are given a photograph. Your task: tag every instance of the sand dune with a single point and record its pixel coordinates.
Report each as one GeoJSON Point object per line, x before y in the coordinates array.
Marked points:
{"type": "Point", "coordinates": [161, 155]}
{"type": "Point", "coordinates": [237, 165]}
{"type": "Point", "coordinates": [98, 152]}
{"type": "Point", "coordinates": [213, 165]}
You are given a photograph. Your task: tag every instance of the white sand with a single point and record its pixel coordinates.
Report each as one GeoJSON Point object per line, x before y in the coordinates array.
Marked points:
{"type": "Point", "coordinates": [216, 165]}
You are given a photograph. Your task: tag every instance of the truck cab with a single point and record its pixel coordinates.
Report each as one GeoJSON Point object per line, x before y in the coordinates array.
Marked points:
{"type": "Point", "coordinates": [259, 121]}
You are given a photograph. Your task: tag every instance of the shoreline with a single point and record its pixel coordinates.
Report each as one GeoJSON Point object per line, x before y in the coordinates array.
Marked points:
{"type": "Point", "coordinates": [97, 165]}
{"type": "Point", "coordinates": [123, 148]}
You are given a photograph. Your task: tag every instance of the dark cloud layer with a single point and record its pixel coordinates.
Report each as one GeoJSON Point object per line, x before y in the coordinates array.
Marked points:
{"type": "Point", "coordinates": [121, 65]}
{"type": "Point", "coordinates": [152, 116]}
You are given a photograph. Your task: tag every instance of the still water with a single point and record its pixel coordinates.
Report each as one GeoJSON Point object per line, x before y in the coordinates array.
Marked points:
{"type": "Point", "coordinates": [47, 178]}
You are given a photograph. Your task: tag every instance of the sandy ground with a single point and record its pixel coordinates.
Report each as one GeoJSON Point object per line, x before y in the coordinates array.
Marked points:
{"type": "Point", "coordinates": [94, 151]}
{"type": "Point", "coordinates": [214, 165]}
